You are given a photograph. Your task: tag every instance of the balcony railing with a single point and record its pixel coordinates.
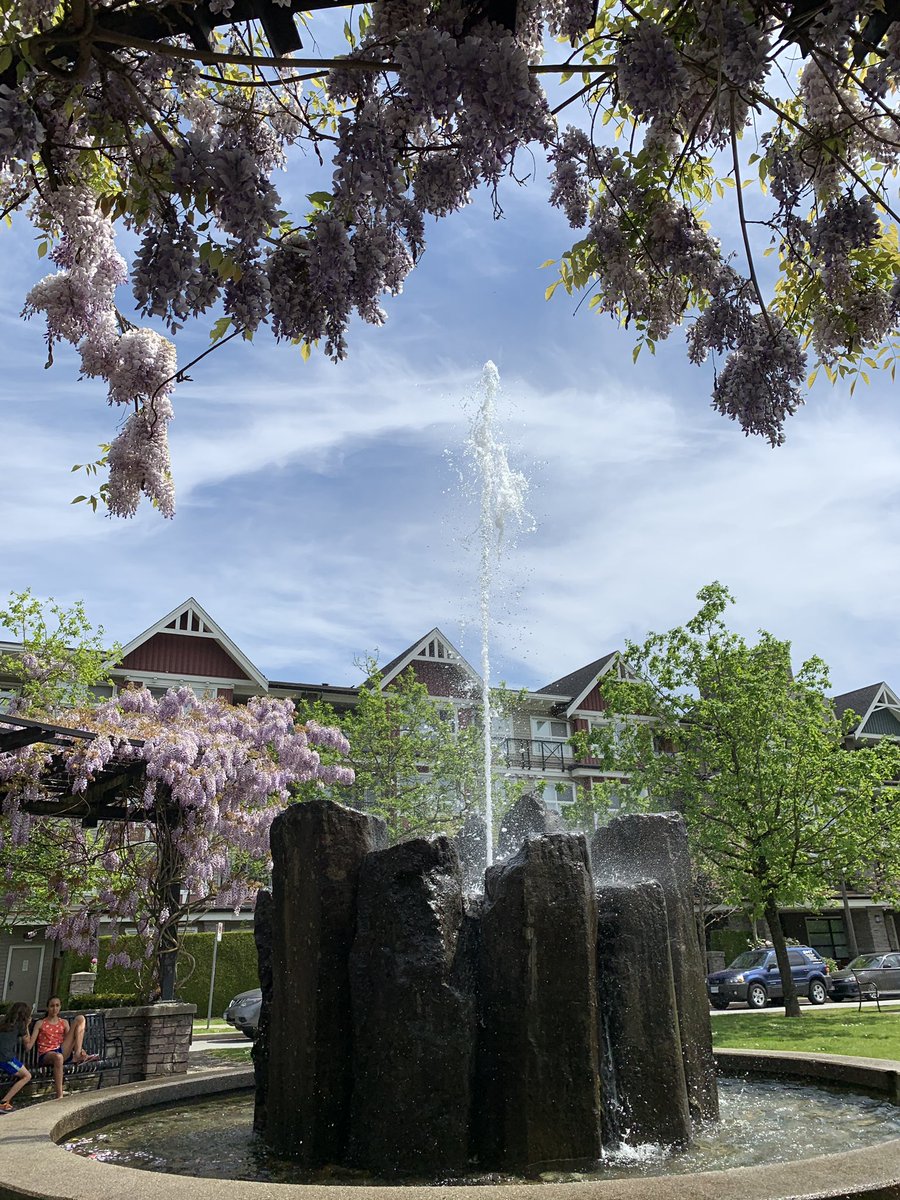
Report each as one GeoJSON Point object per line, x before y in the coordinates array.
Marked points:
{"type": "Point", "coordinates": [537, 754]}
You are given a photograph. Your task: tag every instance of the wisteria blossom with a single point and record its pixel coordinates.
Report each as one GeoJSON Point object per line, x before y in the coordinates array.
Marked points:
{"type": "Point", "coordinates": [101, 129]}
{"type": "Point", "coordinates": [211, 778]}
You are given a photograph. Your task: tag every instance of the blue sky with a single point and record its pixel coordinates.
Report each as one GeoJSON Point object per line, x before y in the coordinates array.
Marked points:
{"type": "Point", "coordinates": [320, 514]}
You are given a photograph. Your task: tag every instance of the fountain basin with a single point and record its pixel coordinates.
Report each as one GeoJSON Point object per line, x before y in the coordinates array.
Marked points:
{"type": "Point", "coordinates": [33, 1165]}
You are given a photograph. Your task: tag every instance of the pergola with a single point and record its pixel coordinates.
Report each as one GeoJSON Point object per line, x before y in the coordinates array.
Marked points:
{"type": "Point", "coordinates": [109, 797]}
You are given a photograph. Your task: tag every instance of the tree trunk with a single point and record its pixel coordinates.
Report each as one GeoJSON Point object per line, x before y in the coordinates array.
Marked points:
{"type": "Point", "coordinates": [773, 919]}
{"type": "Point", "coordinates": [169, 867]}
{"type": "Point", "coordinates": [848, 922]}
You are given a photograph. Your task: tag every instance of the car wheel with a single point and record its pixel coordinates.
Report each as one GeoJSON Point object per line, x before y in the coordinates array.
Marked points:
{"type": "Point", "coordinates": [818, 993]}
{"type": "Point", "coordinates": [756, 996]}
{"type": "Point", "coordinates": [718, 1002]}
{"type": "Point", "coordinates": [838, 999]}
{"type": "Point", "coordinates": [249, 1033]}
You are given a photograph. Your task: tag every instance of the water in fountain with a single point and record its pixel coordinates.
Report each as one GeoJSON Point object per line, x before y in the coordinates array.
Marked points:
{"type": "Point", "coordinates": [502, 493]}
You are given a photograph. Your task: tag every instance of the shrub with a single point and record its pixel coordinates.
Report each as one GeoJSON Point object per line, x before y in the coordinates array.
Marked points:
{"type": "Point", "coordinates": [104, 1000]}
{"type": "Point", "coordinates": [236, 968]}
{"type": "Point", "coordinates": [731, 942]}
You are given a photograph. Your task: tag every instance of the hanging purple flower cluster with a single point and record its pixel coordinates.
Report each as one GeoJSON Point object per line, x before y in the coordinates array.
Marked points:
{"type": "Point", "coordinates": [433, 101]}
{"type": "Point", "coordinates": [215, 773]}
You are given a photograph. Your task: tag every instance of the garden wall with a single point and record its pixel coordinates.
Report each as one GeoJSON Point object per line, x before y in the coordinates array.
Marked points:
{"type": "Point", "coordinates": [156, 1039]}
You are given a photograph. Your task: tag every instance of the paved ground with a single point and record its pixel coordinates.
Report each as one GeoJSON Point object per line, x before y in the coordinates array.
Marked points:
{"type": "Point", "coordinates": [850, 1005]}
{"type": "Point", "coordinates": [202, 1060]}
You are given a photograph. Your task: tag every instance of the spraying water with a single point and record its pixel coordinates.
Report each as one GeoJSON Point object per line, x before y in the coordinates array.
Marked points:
{"type": "Point", "coordinates": [502, 493]}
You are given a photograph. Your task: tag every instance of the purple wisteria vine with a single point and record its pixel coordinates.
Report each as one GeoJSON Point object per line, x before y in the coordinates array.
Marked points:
{"type": "Point", "coordinates": [172, 121]}
{"type": "Point", "coordinates": [210, 779]}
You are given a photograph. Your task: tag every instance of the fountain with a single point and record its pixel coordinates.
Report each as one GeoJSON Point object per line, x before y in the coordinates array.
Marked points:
{"type": "Point", "coordinates": [501, 492]}
{"type": "Point", "coordinates": [411, 1035]}
{"type": "Point", "coordinates": [408, 1032]}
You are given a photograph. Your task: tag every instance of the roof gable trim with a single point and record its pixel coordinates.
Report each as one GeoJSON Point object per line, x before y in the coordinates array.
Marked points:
{"type": "Point", "coordinates": [434, 647]}
{"type": "Point", "coordinates": [190, 619]}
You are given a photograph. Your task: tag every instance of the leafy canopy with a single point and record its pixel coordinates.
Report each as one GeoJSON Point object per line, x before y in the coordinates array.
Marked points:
{"type": "Point", "coordinates": [752, 753]}
{"type": "Point", "coordinates": [172, 120]}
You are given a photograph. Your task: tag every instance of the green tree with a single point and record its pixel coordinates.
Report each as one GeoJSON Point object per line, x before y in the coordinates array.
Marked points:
{"type": "Point", "coordinates": [63, 657]}
{"type": "Point", "coordinates": [417, 759]}
{"type": "Point", "coordinates": [753, 755]}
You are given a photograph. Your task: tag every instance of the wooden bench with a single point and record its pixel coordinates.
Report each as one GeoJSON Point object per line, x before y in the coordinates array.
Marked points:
{"type": "Point", "coordinates": [109, 1051]}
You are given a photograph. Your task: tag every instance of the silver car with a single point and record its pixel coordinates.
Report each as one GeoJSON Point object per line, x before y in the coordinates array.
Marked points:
{"type": "Point", "coordinates": [243, 1012]}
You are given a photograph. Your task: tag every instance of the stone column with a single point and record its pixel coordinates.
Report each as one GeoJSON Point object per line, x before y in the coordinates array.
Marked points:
{"type": "Point", "coordinates": [644, 1092]}
{"type": "Point", "coordinates": [262, 937]}
{"type": "Point", "coordinates": [317, 851]}
{"type": "Point", "coordinates": [413, 1025]}
{"type": "Point", "coordinates": [539, 1094]}
{"type": "Point", "coordinates": [528, 817]}
{"type": "Point", "coordinates": [156, 1039]}
{"type": "Point", "coordinates": [655, 846]}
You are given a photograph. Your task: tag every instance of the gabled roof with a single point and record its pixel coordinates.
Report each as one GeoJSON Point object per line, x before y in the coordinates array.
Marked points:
{"type": "Point", "coordinates": [434, 647]}
{"type": "Point", "coordinates": [860, 700]}
{"type": "Point", "coordinates": [878, 708]}
{"type": "Point", "coordinates": [577, 684]}
{"type": "Point", "coordinates": [190, 619]}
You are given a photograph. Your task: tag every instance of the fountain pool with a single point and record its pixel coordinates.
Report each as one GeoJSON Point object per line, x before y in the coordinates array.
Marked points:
{"type": "Point", "coordinates": [34, 1165]}
{"type": "Point", "coordinates": [762, 1121]}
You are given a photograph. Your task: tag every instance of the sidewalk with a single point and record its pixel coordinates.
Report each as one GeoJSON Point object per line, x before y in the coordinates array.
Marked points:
{"type": "Point", "coordinates": [849, 1005]}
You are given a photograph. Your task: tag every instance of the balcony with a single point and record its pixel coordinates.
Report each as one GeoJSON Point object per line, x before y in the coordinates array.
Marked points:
{"type": "Point", "coordinates": [530, 754]}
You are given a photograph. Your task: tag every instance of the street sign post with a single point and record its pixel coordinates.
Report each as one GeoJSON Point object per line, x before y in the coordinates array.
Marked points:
{"type": "Point", "coordinates": [212, 975]}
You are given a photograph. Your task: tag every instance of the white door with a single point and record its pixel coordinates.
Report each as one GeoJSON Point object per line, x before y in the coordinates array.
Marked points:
{"type": "Point", "coordinates": [23, 974]}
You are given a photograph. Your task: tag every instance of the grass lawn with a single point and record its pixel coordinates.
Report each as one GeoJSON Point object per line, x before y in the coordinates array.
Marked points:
{"type": "Point", "coordinates": [230, 1055]}
{"type": "Point", "coordinates": [216, 1025]}
{"type": "Point", "coordinates": [837, 1029]}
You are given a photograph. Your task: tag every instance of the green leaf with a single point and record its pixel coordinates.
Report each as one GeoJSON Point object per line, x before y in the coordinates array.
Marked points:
{"type": "Point", "coordinates": [220, 328]}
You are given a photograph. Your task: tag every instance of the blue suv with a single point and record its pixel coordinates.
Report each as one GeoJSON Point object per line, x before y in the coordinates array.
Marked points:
{"type": "Point", "coordinates": [754, 978]}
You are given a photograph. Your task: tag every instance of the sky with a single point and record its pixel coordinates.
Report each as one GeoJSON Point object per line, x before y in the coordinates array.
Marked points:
{"type": "Point", "coordinates": [323, 512]}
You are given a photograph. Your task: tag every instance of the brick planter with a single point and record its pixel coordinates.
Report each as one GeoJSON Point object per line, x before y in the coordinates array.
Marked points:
{"type": "Point", "coordinates": [156, 1039]}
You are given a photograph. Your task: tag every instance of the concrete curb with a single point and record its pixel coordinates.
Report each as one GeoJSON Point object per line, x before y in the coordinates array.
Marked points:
{"type": "Point", "coordinates": [33, 1166]}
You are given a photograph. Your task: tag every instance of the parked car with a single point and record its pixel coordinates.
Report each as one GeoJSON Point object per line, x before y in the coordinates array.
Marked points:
{"type": "Point", "coordinates": [881, 969]}
{"type": "Point", "coordinates": [754, 978]}
{"type": "Point", "coordinates": [243, 1012]}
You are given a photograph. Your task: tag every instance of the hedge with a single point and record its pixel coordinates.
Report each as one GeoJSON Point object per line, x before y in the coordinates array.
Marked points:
{"type": "Point", "coordinates": [731, 941]}
{"type": "Point", "coordinates": [99, 1000]}
{"type": "Point", "coordinates": [236, 968]}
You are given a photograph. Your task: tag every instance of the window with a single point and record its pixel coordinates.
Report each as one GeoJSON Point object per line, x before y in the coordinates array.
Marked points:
{"type": "Point", "coordinates": [557, 796]}
{"type": "Point", "coordinates": [828, 936]}
{"type": "Point", "coordinates": [545, 728]}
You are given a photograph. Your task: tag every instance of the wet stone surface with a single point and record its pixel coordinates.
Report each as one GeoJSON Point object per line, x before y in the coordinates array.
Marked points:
{"type": "Point", "coordinates": [413, 1024]}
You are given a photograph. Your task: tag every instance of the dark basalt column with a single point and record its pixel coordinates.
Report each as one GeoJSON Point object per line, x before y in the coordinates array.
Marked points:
{"type": "Point", "coordinates": [644, 1093]}
{"type": "Point", "coordinates": [317, 851]}
{"type": "Point", "coordinates": [262, 936]}
{"type": "Point", "coordinates": [413, 1025]}
{"type": "Point", "coordinates": [528, 817]}
{"type": "Point", "coordinates": [471, 845]}
{"type": "Point", "coordinates": [539, 1093]}
{"type": "Point", "coordinates": [654, 846]}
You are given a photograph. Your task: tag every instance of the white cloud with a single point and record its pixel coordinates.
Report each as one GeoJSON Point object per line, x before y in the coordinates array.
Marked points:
{"type": "Point", "coordinates": [319, 517]}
